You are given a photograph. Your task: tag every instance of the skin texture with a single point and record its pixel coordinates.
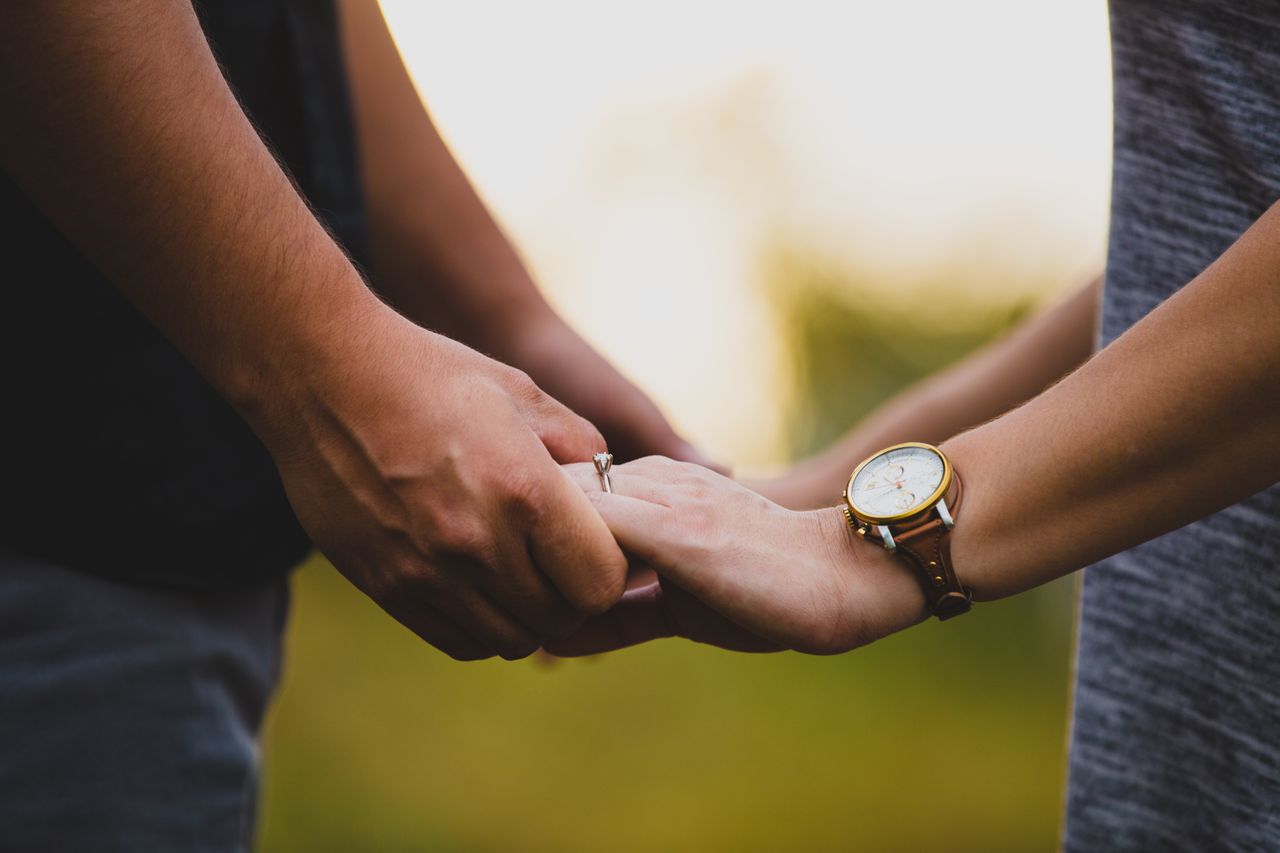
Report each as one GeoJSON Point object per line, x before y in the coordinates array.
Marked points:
{"type": "Point", "coordinates": [736, 570]}
{"type": "Point", "coordinates": [1176, 419]}
{"type": "Point", "coordinates": [427, 472]}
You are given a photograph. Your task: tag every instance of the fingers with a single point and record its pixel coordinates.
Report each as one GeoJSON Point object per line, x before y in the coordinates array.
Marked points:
{"type": "Point", "coordinates": [637, 618]}
{"type": "Point", "coordinates": [637, 525]}
{"type": "Point", "coordinates": [650, 479]}
{"type": "Point", "coordinates": [710, 538]}
{"type": "Point", "coordinates": [567, 436]}
{"type": "Point", "coordinates": [657, 535]}
{"type": "Point", "coordinates": [637, 512]}
{"type": "Point", "coordinates": [527, 594]}
{"type": "Point", "coordinates": [653, 612]}
{"type": "Point", "coordinates": [572, 546]}
{"type": "Point", "coordinates": [436, 629]}
{"type": "Point", "coordinates": [702, 623]}
{"type": "Point", "coordinates": [489, 624]}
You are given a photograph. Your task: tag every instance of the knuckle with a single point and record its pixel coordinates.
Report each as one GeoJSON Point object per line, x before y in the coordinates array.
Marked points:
{"type": "Point", "coordinates": [568, 429]}
{"type": "Point", "coordinates": [399, 580]}
{"type": "Point", "coordinates": [463, 539]}
{"type": "Point", "coordinates": [600, 592]}
{"type": "Point", "coordinates": [523, 386]}
{"type": "Point", "coordinates": [699, 489]}
{"type": "Point", "coordinates": [530, 397]}
{"type": "Point", "coordinates": [590, 433]}
{"type": "Point", "coordinates": [521, 489]}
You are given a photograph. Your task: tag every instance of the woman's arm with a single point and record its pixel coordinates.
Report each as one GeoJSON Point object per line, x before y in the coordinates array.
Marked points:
{"type": "Point", "coordinates": [1175, 420]}
{"type": "Point", "coordinates": [441, 259]}
{"type": "Point", "coordinates": [982, 386]}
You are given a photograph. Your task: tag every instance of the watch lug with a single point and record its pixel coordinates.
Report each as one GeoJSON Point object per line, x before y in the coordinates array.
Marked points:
{"type": "Point", "coordinates": [887, 538]}
{"type": "Point", "coordinates": [945, 514]}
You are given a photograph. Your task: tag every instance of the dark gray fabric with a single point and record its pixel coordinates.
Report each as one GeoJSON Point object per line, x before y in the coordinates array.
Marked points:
{"type": "Point", "coordinates": [1176, 727]}
{"type": "Point", "coordinates": [129, 716]}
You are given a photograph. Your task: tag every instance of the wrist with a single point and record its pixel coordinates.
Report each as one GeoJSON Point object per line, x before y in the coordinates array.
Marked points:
{"type": "Point", "coordinates": [884, 595]}
{"type": "Point", "coordinates": [317, 361]}
{"type": "Point", "coordinates": [976, 542]}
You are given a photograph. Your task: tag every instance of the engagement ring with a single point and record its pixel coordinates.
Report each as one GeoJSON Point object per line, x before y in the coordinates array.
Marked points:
{"type": "Point", "coordinates": [604, 462]}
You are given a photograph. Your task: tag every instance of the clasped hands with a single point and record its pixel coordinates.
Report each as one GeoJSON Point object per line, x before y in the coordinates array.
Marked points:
{"type": "Point", "coordinates": [715, 562]}
{"type": "Point", "coordinates": [451, 489]}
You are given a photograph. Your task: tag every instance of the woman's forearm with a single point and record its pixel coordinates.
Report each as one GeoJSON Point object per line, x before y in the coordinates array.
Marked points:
{"type": "Point", "coordinates": [438, 254]}
{"type": "Point", "coordinates": [980, 387]}
{"type": "Point", "coordinates": [1175, 420]}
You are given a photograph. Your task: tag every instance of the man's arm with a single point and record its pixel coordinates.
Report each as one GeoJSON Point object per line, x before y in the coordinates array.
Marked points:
{"type": "Point", "coordinates": [1176, 419]}
{"type": "Point", "coordinates": [425, 471]}
{"type": "Point", "coordinates": [982, 386]}
{"type": "Point", "coordinates": [442, 260]}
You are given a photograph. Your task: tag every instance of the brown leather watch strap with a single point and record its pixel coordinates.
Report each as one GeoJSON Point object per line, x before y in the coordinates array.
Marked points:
{"type": "Point", "coordinates": [928, 547]}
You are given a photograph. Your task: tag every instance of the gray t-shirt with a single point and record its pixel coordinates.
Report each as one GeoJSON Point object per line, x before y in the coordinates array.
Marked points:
{"type": "Point", "coordinates": [1176, 730]}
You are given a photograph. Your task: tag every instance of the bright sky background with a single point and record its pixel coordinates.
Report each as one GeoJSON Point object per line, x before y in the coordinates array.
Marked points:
{"type": "Point", "coordinates": [640, 154]}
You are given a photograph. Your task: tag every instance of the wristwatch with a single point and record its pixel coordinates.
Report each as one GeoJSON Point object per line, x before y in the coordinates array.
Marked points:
{"type": "Point", "coordinates": [906, 498]}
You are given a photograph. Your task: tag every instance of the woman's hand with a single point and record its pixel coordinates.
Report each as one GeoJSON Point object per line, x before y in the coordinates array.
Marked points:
{"type": "Point", "coordinates": [738, 570]}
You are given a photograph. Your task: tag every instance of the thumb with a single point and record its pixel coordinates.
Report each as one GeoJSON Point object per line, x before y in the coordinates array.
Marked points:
{"type": "Point", "coordinates": [637, 618]}
{"type": "Point", "coordinates": [572, 546]}
{"type": "Point", "coordinates": [568, 436]}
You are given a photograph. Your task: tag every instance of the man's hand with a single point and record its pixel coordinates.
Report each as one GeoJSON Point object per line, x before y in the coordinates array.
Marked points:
{"type": "Point", "coordinates": [737, 570]}
{"type": "Point", "coordinates": [428, 474]}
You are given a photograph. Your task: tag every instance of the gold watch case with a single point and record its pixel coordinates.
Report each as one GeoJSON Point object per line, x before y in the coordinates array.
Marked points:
{"type": "Point", "coordinates": [921, 509]}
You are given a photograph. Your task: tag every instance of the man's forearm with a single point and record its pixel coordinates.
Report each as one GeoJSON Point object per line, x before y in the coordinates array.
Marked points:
{"type": "Point", "coordinates": [1176, 419]}
{"type": "Point", "coordinates": [426, 472]}
{"type": "Point", "coordinates": [984, 385]}
{"type": "Point", "coordinates": [120, 126]}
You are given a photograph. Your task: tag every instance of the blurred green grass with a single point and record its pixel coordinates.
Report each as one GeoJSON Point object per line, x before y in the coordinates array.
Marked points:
{"type": "Point", "coordinates": [947, 737]}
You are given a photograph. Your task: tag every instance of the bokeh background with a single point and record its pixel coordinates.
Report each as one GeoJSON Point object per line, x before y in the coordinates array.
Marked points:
{"type": "Point", "coordinates": [772, 216]}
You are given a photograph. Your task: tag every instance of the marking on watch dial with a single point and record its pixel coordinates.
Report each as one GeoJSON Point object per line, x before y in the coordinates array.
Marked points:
{"type": "Point", "coordinates": [895, 483]}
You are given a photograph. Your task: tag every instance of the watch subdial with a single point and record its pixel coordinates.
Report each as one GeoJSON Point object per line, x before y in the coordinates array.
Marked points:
{"type": "Point", "coordinates": [905, 500]}
{"type": "Point", "coordinates": [892, 473]}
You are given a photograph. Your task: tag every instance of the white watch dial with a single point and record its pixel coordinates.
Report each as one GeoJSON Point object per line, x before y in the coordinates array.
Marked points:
{"type": "Point", "coordinates": [897, 482]}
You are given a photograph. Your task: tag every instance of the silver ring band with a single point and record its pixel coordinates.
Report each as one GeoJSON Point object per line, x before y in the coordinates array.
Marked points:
{"type": "Point", "coordinates": [604, 463]}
